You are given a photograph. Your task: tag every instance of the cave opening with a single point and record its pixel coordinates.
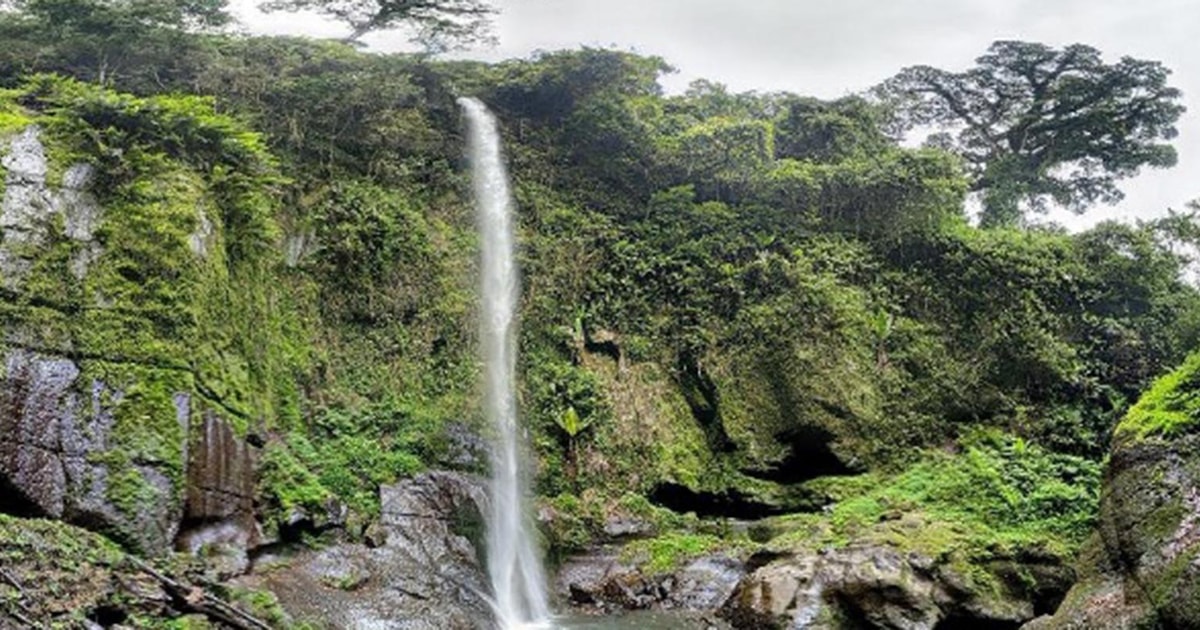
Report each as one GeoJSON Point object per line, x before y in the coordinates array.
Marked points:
{"type": "Point", "coordinates": [729, 503]}
{"type": "Point", "coordinates": [16, 503]}
{"type": "Point", "coordinates": [810, 456]}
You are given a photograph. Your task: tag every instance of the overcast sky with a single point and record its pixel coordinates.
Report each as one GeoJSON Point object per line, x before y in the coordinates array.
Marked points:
{"type": "Point", "coordinates": [831, 48]}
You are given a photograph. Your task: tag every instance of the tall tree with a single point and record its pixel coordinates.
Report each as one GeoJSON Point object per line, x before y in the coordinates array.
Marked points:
{"type": "Point", "coordinates": [1037, 124]}
{"type": "Point", "coordinates": [438, 24]}
{"type": "Point", "coordinates": [115, 14]}
{"type": "Point", "coordinates": [140, 44]}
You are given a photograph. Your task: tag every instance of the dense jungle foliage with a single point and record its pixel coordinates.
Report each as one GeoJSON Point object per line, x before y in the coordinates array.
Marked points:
{"type": "Point", "coordinates": [725, 296]}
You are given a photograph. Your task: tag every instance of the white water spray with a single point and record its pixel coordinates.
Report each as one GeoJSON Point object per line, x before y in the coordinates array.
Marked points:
{"type": "Point", "coordinates": [518, 583]}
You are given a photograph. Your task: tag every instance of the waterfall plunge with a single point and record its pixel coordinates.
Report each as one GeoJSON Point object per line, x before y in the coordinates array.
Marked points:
{"type": "Point", "coordinates": [515, 568]}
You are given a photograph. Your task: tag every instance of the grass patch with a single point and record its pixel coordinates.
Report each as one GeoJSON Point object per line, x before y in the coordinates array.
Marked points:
{"type": "Point", "coordinates": [999, 493]}
{"type": "Point", "coordinates": [997, 499]}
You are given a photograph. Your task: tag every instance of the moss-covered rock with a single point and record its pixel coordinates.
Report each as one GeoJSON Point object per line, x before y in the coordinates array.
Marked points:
{"type": "Point", "coordinates": [134, 256]}
{"type": "Point", "coordinates": [1143, 566]}
{"type": "Point", "coordinates": [983, 536]}
{"type": "Point", "coordinates": [55, 575]}
{"type": "Point", "coordinates": [987, 535]}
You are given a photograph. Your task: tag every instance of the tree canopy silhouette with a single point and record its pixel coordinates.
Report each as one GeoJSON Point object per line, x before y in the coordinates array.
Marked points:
{"type": "Point", "coordinates": [438, 24]}
{"type": "Point", "coordinates": [1036, 124]}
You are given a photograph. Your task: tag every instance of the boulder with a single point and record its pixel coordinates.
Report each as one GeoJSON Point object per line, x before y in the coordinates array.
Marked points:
{"type": "Point", "coordinates": [601, 579]}
{"type": "Point", "coordinates": [423, 571]}
{"type": "Point", "coordinates": [56, 445]}
{"type": "Point", "coordinates": [866, 585]}
{"type": "Point", "coordinates": [876, 585]}
{"type": "Point", "coordinates": [1142, 568]}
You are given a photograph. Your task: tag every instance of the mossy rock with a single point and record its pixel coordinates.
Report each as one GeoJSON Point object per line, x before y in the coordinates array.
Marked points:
{"type": "Point", "coordinates": [138, 248]}
{"type": "Point", "coordinates": [1142, 569]}
{"type": "Point", "coordinates": [61, 575]}
{"type": "Point", "coordinates": [1150, 523]}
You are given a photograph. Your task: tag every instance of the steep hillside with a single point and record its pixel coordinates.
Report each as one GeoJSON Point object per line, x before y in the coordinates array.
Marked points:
{"type": "Point", "coordinates": [238, 303]}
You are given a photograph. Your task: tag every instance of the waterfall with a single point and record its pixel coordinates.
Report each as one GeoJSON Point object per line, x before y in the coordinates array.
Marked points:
{"type": "Point", "coordinates": [518, 584]}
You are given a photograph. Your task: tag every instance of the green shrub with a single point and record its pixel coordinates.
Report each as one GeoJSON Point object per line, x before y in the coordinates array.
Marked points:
{"type": "Point", "coordinates": [1170, 407]}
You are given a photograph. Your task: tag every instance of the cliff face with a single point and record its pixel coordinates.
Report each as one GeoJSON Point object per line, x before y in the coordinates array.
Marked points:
{"type": "Point", "coordinates": [125, 397]}
{"type": "Point", "coordinates": [197, 351]}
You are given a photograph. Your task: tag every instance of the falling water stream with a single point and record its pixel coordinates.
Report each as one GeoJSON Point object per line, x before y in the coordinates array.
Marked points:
{"type": "Point", "coordinates": [514, 566]}
{"type": "Point", "coordinates": [518, 583]}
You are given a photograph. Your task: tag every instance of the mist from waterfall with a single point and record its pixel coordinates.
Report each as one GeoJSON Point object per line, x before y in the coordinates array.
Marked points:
{"type": "Point", "coordinates": [514, 565]}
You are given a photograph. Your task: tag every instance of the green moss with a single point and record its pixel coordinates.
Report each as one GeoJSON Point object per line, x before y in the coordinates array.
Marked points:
{"type": "Point", "coordinates": [999, 498]}
{"type": "Point", "coordinates": [36, 540]}
{"type": "Point", "coordinates": [153, 317]}
{"type": "Point", "coordinates": [286, 482]}
{"type": "Point", "coordinates": [147, 426]}
{"type": "Point", "coordinates": [1169, 408]}
{"type": "Point", "coordinates": [670, 551]}
{"type": "Point", "coordinates": [190, 622]}
{"type": "Point", "coordinates": [1173, 590]}
{"type": "Point", "coordinates": [13, 117]}
{"type": "Point", "coordinates": [263, 605]}
{"type": "Point", "coordinates": [66, 573]}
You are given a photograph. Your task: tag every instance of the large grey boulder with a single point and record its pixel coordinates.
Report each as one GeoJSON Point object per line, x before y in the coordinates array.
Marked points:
{"type": "Point", "coordinates": [865, 585]}
{"type": "Point", "coordinates": [56, 455]}
{"type": "Point", "coordinates": [876, 585]}
{"type": "Point", "coordinates": [602, 579]}
{"type": "Point", "coordinates": [425, 574]}
{"type": "Point", "coordinates": [1142, 568]}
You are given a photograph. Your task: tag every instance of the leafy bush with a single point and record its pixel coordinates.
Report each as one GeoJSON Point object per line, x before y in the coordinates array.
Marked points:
{"type": "Point", "coordinates": [1169, 408]}
{"type": "Point", "coordinates": [1000, 492]}
{"type": "Point", "coordinates": [346, 455]}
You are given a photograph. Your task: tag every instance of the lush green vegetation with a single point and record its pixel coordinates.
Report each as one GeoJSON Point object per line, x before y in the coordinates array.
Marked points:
{"type": "Point", "coordinates": [1169, 408]}
{"type": "Point", "coordinates": [999, 493]}
{"type": "Point", "coordinates": [725, 295]}
{"type": "Point", "coordinates": [1034, 123]}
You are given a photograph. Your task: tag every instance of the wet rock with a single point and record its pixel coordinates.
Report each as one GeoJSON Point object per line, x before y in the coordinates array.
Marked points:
{"type": "Point", "coordinates": [601, 579]}
{"type": "Point", "coordinates": [1142, 569]}
{"type": "Point", "coordinates": [37, 400]}
{"type": "Point", "coordinates": [424, 571]}
{"type": "Point", "coordinates": [221, 472]}
{"type": "Point", "coordinates": [705, 583]}
{"type": "Point", "coordinates": [54, 432]}
{"type": "Point", "coordinates": [580, 580]}
{"type": "Point", "coordinates": [620, 526]}
{"type": "Point", "coordinates": [872, 586]}
{"type": "Point", "coordinates": [467, 450]}
{"type": "Point", "coordinates": [223, 545]}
